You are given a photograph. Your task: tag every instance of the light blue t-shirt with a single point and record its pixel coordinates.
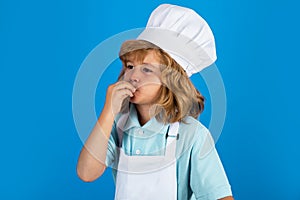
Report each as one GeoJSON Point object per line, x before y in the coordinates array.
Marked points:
{"type": "Point", "coordinates": [200, 174]}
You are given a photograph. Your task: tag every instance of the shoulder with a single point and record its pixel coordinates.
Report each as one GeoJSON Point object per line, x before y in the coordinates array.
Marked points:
{"type": "Point", "coordinates": [192, 133]}
{"type": "Point", "coordinates": [192, 126]}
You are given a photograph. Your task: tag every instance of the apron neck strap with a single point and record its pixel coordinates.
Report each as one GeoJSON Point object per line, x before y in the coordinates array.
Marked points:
{"type": "Point", "coordinates": [172, 139]}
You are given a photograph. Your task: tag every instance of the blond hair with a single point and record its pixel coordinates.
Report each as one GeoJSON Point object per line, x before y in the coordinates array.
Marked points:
{"type": "Point", "coordinates": [178, 97]}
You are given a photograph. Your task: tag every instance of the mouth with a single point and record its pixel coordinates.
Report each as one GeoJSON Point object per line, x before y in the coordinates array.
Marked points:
{"type": "Point", "coordinates": [136, 90]}
{"type": "Point", "coordinates": [135, 93]}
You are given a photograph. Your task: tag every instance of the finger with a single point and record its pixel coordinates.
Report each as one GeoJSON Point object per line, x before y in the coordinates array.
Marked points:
{"type": "Point", "coordinates": [124, 92]}
{"type": "Point", "coordinates": [124, 84]}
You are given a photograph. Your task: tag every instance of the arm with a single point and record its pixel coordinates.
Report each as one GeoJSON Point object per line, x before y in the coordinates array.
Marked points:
{"type": "Point", "coordinates": [208, 177]}
{"type": "Point", "coordinates": [91, 162]}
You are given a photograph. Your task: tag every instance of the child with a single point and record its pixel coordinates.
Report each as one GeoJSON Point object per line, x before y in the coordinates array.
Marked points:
{"type": "Point", "coordinates": [147, 131]}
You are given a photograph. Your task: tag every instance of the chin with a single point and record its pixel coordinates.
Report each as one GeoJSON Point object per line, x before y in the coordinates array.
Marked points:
{"type": "Point", "coordinates": [136, 100]}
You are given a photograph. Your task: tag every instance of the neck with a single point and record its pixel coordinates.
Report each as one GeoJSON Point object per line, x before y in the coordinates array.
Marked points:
{"type": "Point", "coordinates": [144, 114]}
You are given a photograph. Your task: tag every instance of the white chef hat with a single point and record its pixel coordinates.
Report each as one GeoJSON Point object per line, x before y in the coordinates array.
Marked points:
{"type": "Point", "coordinates": [182, 33]}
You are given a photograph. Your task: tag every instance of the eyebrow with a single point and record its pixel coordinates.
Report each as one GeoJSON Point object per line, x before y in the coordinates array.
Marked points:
{"type": "Point", "coordinates": [156, 65]}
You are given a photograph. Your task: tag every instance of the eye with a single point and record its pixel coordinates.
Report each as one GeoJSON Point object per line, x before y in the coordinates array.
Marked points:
{"type": "Point", "coordinates": [147, 70]}
{"type": "Point", "coordinates": [129, 66]}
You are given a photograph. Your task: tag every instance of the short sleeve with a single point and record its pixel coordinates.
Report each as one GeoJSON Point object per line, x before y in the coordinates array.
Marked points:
{"type": "Point", "coordinates": [207, 176]}
{"type": "Point", "coordinates": [111, 154]}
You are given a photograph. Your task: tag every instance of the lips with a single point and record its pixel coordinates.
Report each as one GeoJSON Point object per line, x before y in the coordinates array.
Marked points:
{"type": "Point", "coordinates": [136, 90]}
{"type": "Point", "coordinates": [135, 94]}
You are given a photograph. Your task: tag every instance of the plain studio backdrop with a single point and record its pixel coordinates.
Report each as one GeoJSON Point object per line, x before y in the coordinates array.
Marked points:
{"type": "Point", "coordinates": [43, 44]}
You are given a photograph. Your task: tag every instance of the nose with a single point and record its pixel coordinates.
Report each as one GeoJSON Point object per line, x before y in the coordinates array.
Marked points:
{"type": "Point", "coordinates": [135, 76]}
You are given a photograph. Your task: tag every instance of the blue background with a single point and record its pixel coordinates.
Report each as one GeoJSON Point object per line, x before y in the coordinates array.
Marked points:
{"type": "Point", "coordinates": [43, 44]}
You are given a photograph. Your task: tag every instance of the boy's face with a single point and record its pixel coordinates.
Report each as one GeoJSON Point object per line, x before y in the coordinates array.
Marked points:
{"type": "Point", "coordinates": [145, 77]}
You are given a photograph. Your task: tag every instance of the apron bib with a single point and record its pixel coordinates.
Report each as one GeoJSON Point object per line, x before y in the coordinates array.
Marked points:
{"type": "Point", "coordinates": [148, 177]}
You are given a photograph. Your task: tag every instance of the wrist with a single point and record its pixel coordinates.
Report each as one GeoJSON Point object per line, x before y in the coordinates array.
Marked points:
{"type": "Point", "coordinates": [108, 111]}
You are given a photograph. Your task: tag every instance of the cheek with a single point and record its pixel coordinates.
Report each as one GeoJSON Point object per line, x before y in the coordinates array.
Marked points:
{"type": "Point", "coordinates": [126, 76]}
{"type": "Point", "coordinates": [151, 80]}
{"type": "Point", "coordinates": [151, 90]}
{"type": "Point", "coordinates": [150, 86]}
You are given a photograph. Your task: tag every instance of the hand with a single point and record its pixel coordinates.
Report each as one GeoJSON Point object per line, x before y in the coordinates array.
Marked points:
{"type": "Point", "coordinates": [117, 93]}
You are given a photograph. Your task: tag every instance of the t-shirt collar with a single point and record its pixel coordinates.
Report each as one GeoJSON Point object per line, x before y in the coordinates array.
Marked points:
{"type": "Point", "coordinates": [151, 127]}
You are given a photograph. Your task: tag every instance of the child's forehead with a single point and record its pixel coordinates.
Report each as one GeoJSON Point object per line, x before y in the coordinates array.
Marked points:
{"type": "Point", "coordinates": [145, 56]}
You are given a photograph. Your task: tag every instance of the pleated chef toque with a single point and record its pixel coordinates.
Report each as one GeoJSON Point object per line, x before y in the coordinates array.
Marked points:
{"type": "Point", "coordinates": [183, 34]}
